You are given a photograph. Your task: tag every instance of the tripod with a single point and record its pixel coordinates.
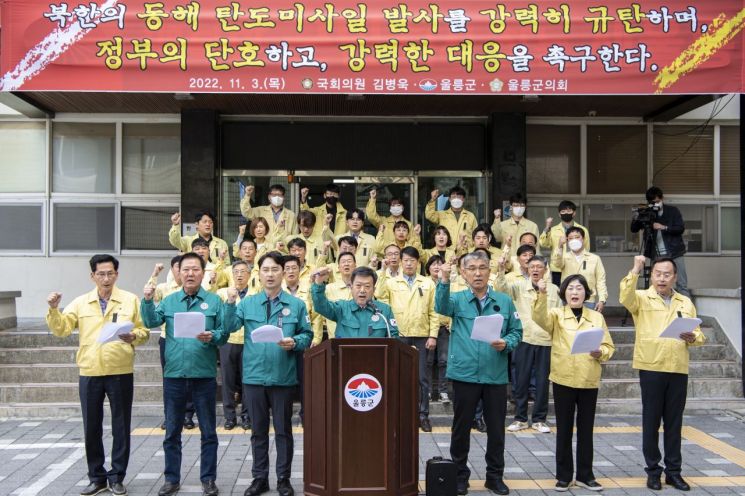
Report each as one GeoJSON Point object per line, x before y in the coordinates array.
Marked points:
{"type": "Point", "coordinates": [648, 241]}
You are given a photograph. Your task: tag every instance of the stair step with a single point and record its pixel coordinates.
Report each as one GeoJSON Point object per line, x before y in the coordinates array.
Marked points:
{"type": "Point", "coordinates": [67, 391]}
{"type": "Point", "coordinates": [38, 338]}
{"type": "Point", "coordinates": [697, 388]}
{"type": "Point", "coordinates": [626, 335]}
{"type": "Point", "coordinates": [66, 354]}
{"type": "Point", "coordinates": [697, 353]}
{"type": "Point", "coordinates": [621, 369]}
{"type": "Point", "coordinates": [69, 372]}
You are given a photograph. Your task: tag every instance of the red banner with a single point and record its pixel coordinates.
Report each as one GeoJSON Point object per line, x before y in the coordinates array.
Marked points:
{"type": "Point", "coordinates": [384, 47]}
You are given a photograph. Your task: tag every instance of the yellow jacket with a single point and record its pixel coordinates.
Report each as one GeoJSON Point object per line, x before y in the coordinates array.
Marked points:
{"type": "Point", "coordinates": [371, 211]}
{"type": "Point", "coordinates": [303, 292]}
{"type": "Point", "coordinates": [524, 295]}
{"type": "Point", "coordinates": [551, 238]}
{"type": "Point", "coordinates": [267, 213]}
{"type": "Point", "coordinates": [380, 243]}
{"type": "Point", "coordinates": [163, 289]}
{"type": "Point", "coordinates": [413, 307]}
{"type": "Point", "coordinates": [365, 248]}
{"type": "Point", "coordinates": [183, 243]}
{"type": "Point", "coordinates": [651, 317]}
{"type": "Point", "coordinates": [341, 218]}
{"type": "Point", "coordinates": [589, 265]}
{"type": "Point", "coordinates": [577, 371]}
{"type": "Point", "coordinates": [84, 313]}
{"type": "Point", "coordinates": [222, 277]}
{"type": "Point", "coordinates": [335, 291]}
{"type": "Point", "coordinates": [509, 227]}
{"type": "Point", "coordinates": [494, 255]}
{"type": "Point", "coordinates": [431, 252]}
{"type": "Point", "coordinates": [464, 224]}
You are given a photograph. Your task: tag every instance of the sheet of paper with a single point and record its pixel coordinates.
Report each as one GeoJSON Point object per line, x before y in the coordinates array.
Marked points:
{"type": "Point", "coordinates": [112, 330]}
{"type": "Point", "coordinates": [188, 324]}
{"type": "Point", "coordinates": [679, 326]}
{"type": "Point", "coordinates": [587, 341]}
{"type": "Point", "coordinates": [487, 328]}
{"type": "Point", "coordinates": [442, 202]}
{"type": "Point", "coordinates": [267, 334]}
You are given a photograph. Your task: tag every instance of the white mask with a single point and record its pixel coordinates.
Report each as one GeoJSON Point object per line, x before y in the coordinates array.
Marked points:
{"type": "Point", "coordinates": [658, 204]}
{"type": "Point", "coordinates": [575, 244]}
{"type": "Point", "coordinates": [518, 211]}
{"type": "Point", "coordinates": [456, 203]}
{"type": "Point", "coordinates": [397, 210]}
{"type": "Point", "coordinates": [277, 201]}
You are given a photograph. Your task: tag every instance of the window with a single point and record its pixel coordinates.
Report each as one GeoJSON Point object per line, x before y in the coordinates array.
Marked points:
{"type": "Point", "coordinates": [23, 157]}
{"type": "Point", "coordinates": [21, 225]}
{"type": "Point", "coordinates": [729, 160]}
{"type": "Point", "coordinates": [610, 228]}
{"type": "Point", "coordinates": [616, 159]}
{"type": "Point", "coordinates": [553, 159]}
{"type": "Point", "coordinates": [701, 227]}
{"type": "Point", "coordinates": [84, 227]}
{"type": "Point", "coordinates": [146, 228]}
{"type": "Point", "coordinates": [152, 158]}
{"type": "Point", "coordinates": [730, 229]}
{"type": "Point", "coordinates": [83, 158]}
{"type": "Point", "coordinates": [684, 159]}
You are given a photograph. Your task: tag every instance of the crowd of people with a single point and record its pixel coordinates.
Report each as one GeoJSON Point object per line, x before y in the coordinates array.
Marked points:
{"type": "Point", "coordinates": [317, 275]}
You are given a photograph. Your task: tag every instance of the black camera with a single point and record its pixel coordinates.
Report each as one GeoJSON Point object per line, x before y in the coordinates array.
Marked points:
{"type": "Point", "coordinates": [646, 214]}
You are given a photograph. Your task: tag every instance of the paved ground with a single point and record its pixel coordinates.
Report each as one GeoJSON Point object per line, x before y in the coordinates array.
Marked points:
{"type": "Point", "coordinates": [46, 457]}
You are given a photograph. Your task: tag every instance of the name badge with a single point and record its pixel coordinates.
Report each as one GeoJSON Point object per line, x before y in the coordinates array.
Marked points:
{"type": "Point", "coordinates": [375, 318]}
{"type": "Point", "coordinates": [204, 306]}
{"type": "Point", "coordinates": [285, 312]}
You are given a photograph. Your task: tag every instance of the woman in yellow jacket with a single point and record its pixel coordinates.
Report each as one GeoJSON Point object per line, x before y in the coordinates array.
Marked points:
{"type": "Point", "coordinates": [576, 378]}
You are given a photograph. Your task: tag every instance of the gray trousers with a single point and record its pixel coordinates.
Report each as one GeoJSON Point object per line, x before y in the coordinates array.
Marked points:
{"type": "Point", "coordinates": [681, 285]}
{"type": "Point", "coordinates": [424, 377]}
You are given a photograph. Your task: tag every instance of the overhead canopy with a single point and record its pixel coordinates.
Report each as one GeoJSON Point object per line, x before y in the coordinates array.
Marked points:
{"type": "Point", "coordinates": [445, 47]}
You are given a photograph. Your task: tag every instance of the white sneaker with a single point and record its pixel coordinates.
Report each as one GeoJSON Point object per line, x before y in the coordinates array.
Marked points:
{"type": "Point", "coordinates": [517, 426]}
{"type": "Point", "coordinates": [541, 427]}
{"type": "Point", "coordinates": [444, 398]}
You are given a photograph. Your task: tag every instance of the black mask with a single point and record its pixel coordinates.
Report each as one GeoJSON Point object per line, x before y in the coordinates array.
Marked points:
{"type": "Point", "coordinates": [331, 200]}
{"type": "Point", "coordinates": [566, 217]}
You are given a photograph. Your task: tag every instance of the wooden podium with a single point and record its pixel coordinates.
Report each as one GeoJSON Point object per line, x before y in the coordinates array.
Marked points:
{"type": "Point", "coordinates": [361, 433]}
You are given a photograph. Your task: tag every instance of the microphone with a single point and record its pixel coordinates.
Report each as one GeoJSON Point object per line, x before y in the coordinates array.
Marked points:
{"type": "Point", "coordinates": [373, 307]}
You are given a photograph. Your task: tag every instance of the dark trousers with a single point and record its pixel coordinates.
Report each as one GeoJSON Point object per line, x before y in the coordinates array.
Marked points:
{"type": "Point", "coordinates": [466, 396]}
{"type": "Point", "coordinates": [260, 400]}
{"type": "Point", "coordinates": [424, 377]}
{"type": "Point", "coordinates": [177, 392]}
{"type": "Point", "coordinates": [556, 279]}
{"type": "Point", "coordinates": [440, 356]}
{"type": "Point", "coordinates": [529, 359]}
{"type": "Point", "coordinates": [231, 370]}
{"type": "Point", "coordinates": [567, 401]}
{"type": "Point", "coordinates": [663, 399]}
{"type": "Point", "coordinates": [189, 412]}
{"type": "Point", "coordinates": [119, 389]}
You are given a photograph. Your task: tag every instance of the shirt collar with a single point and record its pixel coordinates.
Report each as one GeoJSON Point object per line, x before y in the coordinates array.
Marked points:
{"type": "Point", "coordinates": [198, 295]}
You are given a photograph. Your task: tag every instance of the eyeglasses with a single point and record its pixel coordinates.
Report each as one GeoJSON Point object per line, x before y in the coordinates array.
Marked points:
{"type": "Point", "coordinates": [240, 272]}
{"type": "Point", "coordinates": [105, 275]}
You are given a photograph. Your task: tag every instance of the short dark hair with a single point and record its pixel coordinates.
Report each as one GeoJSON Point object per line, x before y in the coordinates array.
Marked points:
{"type": "Point", "coordinates": [237, 263]}
{"type": "Point", "coordinates": [538, 258]}
{"type": "Point", "coordinates": [191, 254]}
{"type": "Point", "coordinates": [247, 240]}
{"type": "Point", "coordinates": [277, 187]}
{"type": "Point", "coordinates": [432, 260]}
{"type": "Point", "coordinates": [333, 188]}
{"type": "Point", "coordinates": [350, 240]}
{"type": "Point", "coordinates": [442, 229]}
{"type": "Point", "coordinates": [360, 213]}
{"type": "Point", "coordinates": [410, 251]}
{"type": "Point", "coordinates": [484, 228]}
{"type": "Point", "coordinates": [401, 223]}
{"type": "Point", "coordinates": [198, 216]}
{"type": "Point", "coordinates": [103, 258]}
{"type": "Point", "coordinates": [524, 248]}
{"type": "Point", "coordinates": [535, 238]}
{"type": "Point", "coordinates": [518, 198]}
{"type": "Point", "coordinates": [483, 250]}
{"type": "Point", "coordinates": [652, 193]}
{"type": "Point", "coordinates": [199, 241]}
{"type": "Point", "coordinates": [393, 245]}
{"type": "Point", "coordinates": [346, 254]}
{"type": "Point", "coordinates": [567, 204]}
{"type": "Point", "coordinates": [396, 199]}
{"type": "Point", "coordinates": [570, 279]}
{"type": "Point", "coordinates": [290, 258]}
{"type": "Point", "coordinates": [458, 191]}
{"type": "Point", "coordinates": [306, 218]}
{"type": "Point", "coordinates": [663, 260]}
{"type": "Point", "coordinates": [176, 260]}
{"type": "Point", "coordinates": [364, 272]}
{"type": "Point", "coordinates": [278, 258]}
{"type": "Point", "coordinates": [299, 242]}
{"type": "Point", "coordinates": [575, 229]}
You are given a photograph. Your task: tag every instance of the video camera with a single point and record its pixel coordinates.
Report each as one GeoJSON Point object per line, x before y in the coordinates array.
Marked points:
{"type": "Point", "coordinates": [646, 214]}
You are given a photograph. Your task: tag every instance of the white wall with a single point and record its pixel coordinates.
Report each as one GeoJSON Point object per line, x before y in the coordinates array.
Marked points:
{"type": "Point", "coordinates": [725, 306]}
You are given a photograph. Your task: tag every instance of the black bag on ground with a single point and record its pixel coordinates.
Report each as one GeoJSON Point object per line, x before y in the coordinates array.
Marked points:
{"type": "Point", "coordinates": [441, 477]}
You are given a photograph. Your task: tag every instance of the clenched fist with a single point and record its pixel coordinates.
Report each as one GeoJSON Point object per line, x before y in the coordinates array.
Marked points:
{"type": "Point", "coordinates": [53, 299]}
{"type": "Point", "coordinates": [176, 219]}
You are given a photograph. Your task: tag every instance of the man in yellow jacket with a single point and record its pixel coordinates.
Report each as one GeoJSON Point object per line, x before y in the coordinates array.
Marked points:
{"type": "Point", "coordinates": [459, 222]}
{"type": "Point", "coordinates": [662, 364]}
{"type": "Point", "coordinates": [511, 229]}
{"type": "Point", "coordinates": [205, 221]}
{"type": "Point", "coordinates": [411, 296]}
{"type": "Point", "coordinates": [550, 236]}
{"type": "Point", "coordinates": [330, 207]}
{"type": "Point", "coordinates": [106, 368]}
{"type": "Point", "coordinates": [275, 213]}
{"type": "Point", "coordinates": [396, 211]}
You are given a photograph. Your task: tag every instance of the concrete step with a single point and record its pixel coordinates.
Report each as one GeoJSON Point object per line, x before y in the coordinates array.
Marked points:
{"type": "Point", "coordinates": [621, 369]}
{"type": "Point", "coordinates": [69, 372]}
{"type": "Point", "coordinates": [698, 353]}
{"type": "Point", "coordinates": [697, 388]}
{"type": "Point", "coordinates": [626, 335]}
{"type": "Point", "coordinates": [51, 392]}
{"type": "Point", "coordinates": [66, 354]}
{"type": "Point", "coordinates": [36, 338]}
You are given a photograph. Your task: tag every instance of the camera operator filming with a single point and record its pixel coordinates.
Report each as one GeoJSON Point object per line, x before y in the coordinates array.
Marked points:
{"type": "Point", "coordinates": [663, 234]}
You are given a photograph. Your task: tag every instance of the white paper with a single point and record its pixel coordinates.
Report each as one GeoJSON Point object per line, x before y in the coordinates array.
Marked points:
{"type": "Point", "coordinates": [112, 330]}
{"type": "Point", "coordinates": [487, 328]}
{"type": "Point", "coordinates": [679, 326]}
{"type": "Point", "coordinates": [267, 334]}
{"type": "Point", "coordinates": [188, 324]}
{"type": "Point", "coordinates": [587, 341]}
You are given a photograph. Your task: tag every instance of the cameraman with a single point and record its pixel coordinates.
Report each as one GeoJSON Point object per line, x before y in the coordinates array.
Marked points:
{"type": "Point", "coordinates": [667, 241]}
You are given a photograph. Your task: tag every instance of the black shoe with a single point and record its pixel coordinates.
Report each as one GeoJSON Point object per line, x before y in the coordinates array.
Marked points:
{"type": "Point", "coordinates": [169, 489]}
{"type": "Point", "coordinates": [188, 423]}
{"type": "Point", "coordinates": [479, 425]}
{"type": "Point", "coordinates": [117, 488]}
{"type": "Point", "coordinates": [94, 488]}
{"type": "Point", "coordinates": [258, 486]}
{"type": "Point", "coordinates": [425, 425]}
{"type": "Point", "coordinates": [497, 485]}
{"type": "Point", "coordinates": [284, 488]}
{"type": "Point", "coordinates": [229, 424]}
{"type": "Point", "coordinates": [246, 424]}
{"type": "Point", "coordinates": [562, 486]}
{"type": "Point", "coordinates": [677, 482]}
{"type": "Point", "coordinates": [653, 482]}
{"type": "Point", "coordinates": [591, 485]}
{"type": "Point", "coordinates": [462, 488]}
{"type": "Point", "coordinates": [209, 488]}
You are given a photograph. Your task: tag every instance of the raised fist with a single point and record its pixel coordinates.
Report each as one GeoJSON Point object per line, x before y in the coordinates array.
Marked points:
{"type": "Point", "coordinates": [541, 284]}
{"type": "Point", "coordinates": [249, 191]}
{"type": "Point", "coordinates": [327, 220]}
{"type": "Point", "coordinates": [373, 193]}
{"type": "Point", "coordinates": [445, 272]}
{"type": "Point", "coordinates": [53, 299]}
{"type": "Point", "coordinates": [158, 269]}
{"type": "Point", "coordinates": [639, 262]}
{"type": "Point", "coordinates": [304, 194]}
{"type": "Point", "coordinates": [232, 295]}
{"type": "Point", "coordinates": [242, 230]}
{"type": "Point", "coordinates": [435, 193]}
{"type": "Point", "coordinates": [549, 222]}
{"type": "Point", "coordinates": [497, 214]}
{"type": "Point", "coordinates": [562, 241]}
{"type": "Point", "coordinates": [418, 229]}
{"type": "Point", "coordinates": [176, 219]}
{"type": "Point", "coordinates": [149, 292]}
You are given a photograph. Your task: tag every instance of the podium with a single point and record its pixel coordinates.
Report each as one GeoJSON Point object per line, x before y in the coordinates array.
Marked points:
{"type": "Point", "coordinates": [361, 426]}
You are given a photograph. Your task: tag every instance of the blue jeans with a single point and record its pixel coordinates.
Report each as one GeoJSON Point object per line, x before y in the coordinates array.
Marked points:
{"type": "Point", "coordinates": [176, 393]}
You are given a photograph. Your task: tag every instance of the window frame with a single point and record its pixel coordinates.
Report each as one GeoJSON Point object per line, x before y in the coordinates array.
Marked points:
{"type": "Point", "coordinates": [42, 202]}
{"type": "Point", "coordinates": [83, 201]}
